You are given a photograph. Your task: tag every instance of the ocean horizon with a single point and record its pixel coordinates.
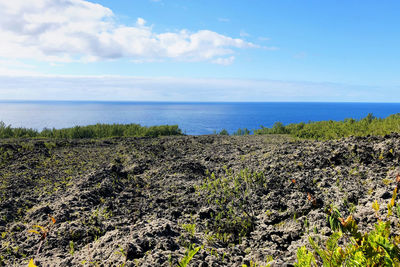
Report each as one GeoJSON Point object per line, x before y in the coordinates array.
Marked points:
{"type": "Point", "coordinates": [193, 118]}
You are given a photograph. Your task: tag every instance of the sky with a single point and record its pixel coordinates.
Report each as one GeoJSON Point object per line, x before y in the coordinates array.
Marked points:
{"type": "Point", "coordinates": [192, 50]}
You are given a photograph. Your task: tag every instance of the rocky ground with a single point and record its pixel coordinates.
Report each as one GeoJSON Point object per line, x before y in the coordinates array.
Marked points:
{"type": "Point", "coordinates": [144, 201]}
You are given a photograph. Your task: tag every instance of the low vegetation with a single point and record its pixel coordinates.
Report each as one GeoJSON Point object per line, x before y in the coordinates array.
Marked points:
{"type": "Point", "coordinates": [230, 196]}
{"type": "Point", "coordinates": [347, 246]}
{"type": "Point", "coordinates": [91, 131]}
{"type": "Point", "coordinates": [320, 130]}
{"type": "Point", "coordinates": [324, 130]}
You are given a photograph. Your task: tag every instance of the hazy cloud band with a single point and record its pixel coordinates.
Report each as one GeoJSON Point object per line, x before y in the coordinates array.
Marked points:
{"type": "Point", "coordinates": [184, 89]}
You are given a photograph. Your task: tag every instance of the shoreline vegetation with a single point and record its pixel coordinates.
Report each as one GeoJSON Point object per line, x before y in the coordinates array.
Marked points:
{"type": "Point", "coordinates": [319, 130]}
{"type": "Point", "coordinates": [329, 130]}
{"type": "Point", "coordinates": [90, 131]}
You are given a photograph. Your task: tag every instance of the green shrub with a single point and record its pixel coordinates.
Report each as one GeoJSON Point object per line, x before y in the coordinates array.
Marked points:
{"type": "Point", "coordinates": [231, 196]}
{"type": "Point", "coordinates": [243, 131]}
{"type": "Point", "coordinates": [92, 131]}
{"type": "Point", "coordinates": [7, 132]}
{"type": "Point", "coordinates": [223, 132]}
{"type": "Point", "coordinates": [370, 125]}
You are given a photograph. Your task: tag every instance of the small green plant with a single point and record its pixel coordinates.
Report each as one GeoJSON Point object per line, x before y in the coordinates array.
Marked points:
{"type": "Point", "coordinates": [49, 145]}
{"type": "Point", "coordinates": [379, 247]}
{"type": "Point", "coordinates": [255, 264]}
{"type": "Point", "coordinates": [398, 210]}
{"type": "Point", "coordinates": [71, 248]}
{"type": "Point", "coordinates": [189, 254]}
{"type": "Point", "coordinates": [387, 181]}
{"type": "Point", "coordinates": [231, 197]}
{"type": "Point", "coordinates": [27, 146]}
{"type": "Point", "coordinates": [190, 228]}
{"type": "Point", "coordinates": [122, 252]}
{"type": "Point", "coordinates": [304, 258]}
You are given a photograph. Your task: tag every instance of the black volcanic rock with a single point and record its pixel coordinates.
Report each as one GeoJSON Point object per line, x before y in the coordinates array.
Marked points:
{"type": "Point", "coordinates": [135, 200]}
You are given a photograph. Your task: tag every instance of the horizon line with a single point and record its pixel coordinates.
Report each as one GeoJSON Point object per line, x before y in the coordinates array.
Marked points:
{"type": "Point", "coordinates": [191, 102]}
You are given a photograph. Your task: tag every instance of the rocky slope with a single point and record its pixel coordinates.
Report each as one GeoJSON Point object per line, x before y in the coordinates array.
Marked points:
{"type": "Point", "coordinates": [143, 201]}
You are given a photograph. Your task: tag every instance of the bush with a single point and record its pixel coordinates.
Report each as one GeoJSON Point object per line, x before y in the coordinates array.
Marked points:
{"type": "Point", "coordinates": [243, 131]}
{"type": "Point", "coordinates": [231, 196]}
{"type": "Point", "coordinates": [223, 132]}
{"type": "Point", "coordinates": [323, 130]}
{"type": "Point", "coordinates": [92, 131]}
{"type": "Point", "coordinates": [8, 132]}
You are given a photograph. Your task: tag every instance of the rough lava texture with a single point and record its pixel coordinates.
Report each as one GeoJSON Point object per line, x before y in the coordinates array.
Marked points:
{"type": "Point", "coordinates": [126, 201]}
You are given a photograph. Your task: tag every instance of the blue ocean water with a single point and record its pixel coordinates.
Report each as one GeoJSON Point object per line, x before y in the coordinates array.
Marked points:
{"type": "Point", "coordinates": [192, 118]}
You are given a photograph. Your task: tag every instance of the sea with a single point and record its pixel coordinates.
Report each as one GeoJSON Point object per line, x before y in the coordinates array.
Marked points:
{"type": "Point", "coordinates": [193, 118]}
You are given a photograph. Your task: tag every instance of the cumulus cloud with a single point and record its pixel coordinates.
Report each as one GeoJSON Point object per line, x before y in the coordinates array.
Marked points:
{"type": "Point", "coordinates": [78, 30]}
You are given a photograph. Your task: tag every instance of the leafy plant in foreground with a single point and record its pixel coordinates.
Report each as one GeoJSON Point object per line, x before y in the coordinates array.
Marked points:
{"type": "Point", "coordinates": [379, 247]}
{"type": "Point", "coordinates": [189, 254]}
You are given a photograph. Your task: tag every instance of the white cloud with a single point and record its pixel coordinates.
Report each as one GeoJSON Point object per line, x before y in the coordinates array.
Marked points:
{"type": "Point", "coordinates": [140, 22]}
{"type": "Point", "coordinates": [78, 30]}
{"type": "Point", "coordinates": [117, 88]}
{"type": "Point", "coordinates": [12, 67]}
{"type": "Point", "coordinates": [224, 61]}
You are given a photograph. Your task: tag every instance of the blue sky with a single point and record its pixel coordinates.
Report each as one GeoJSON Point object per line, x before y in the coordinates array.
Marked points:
{"type": "Point", "coordinates": [184, 50]}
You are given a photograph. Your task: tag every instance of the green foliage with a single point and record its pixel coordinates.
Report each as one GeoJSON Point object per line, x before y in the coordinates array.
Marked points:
{"type": "Point", "coordinates": [190, 228]}
{"type": "Point", "coordinates": [190, 252]}
{"type": "Point", "coordinates": [324, 130]}
{"type": "Point", "coordinates": [223, 132]}
{"type": "Point", "coordinates": [379, 247]}
{"type": "Point", "coordinates": [92, 131]}
{"type": "Point", "coordinates": [231, 197]}
{"type": "Point", "coordinates": [122, 252]}
{"type": "Point", "coordinates": [304, 257]}
{"type": "Point", "coordinates": [7, 132]}
{"type": "Point", "coordinates": [277, 128]}
{"type": "Point", "coordinates": [333, 219]}
{"type": "Point", "coordinates": [243, 131]}
{"type": "Point", "coordinates": [71, 248]}
{"type": "Point", "coordinates": [255, 264]}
